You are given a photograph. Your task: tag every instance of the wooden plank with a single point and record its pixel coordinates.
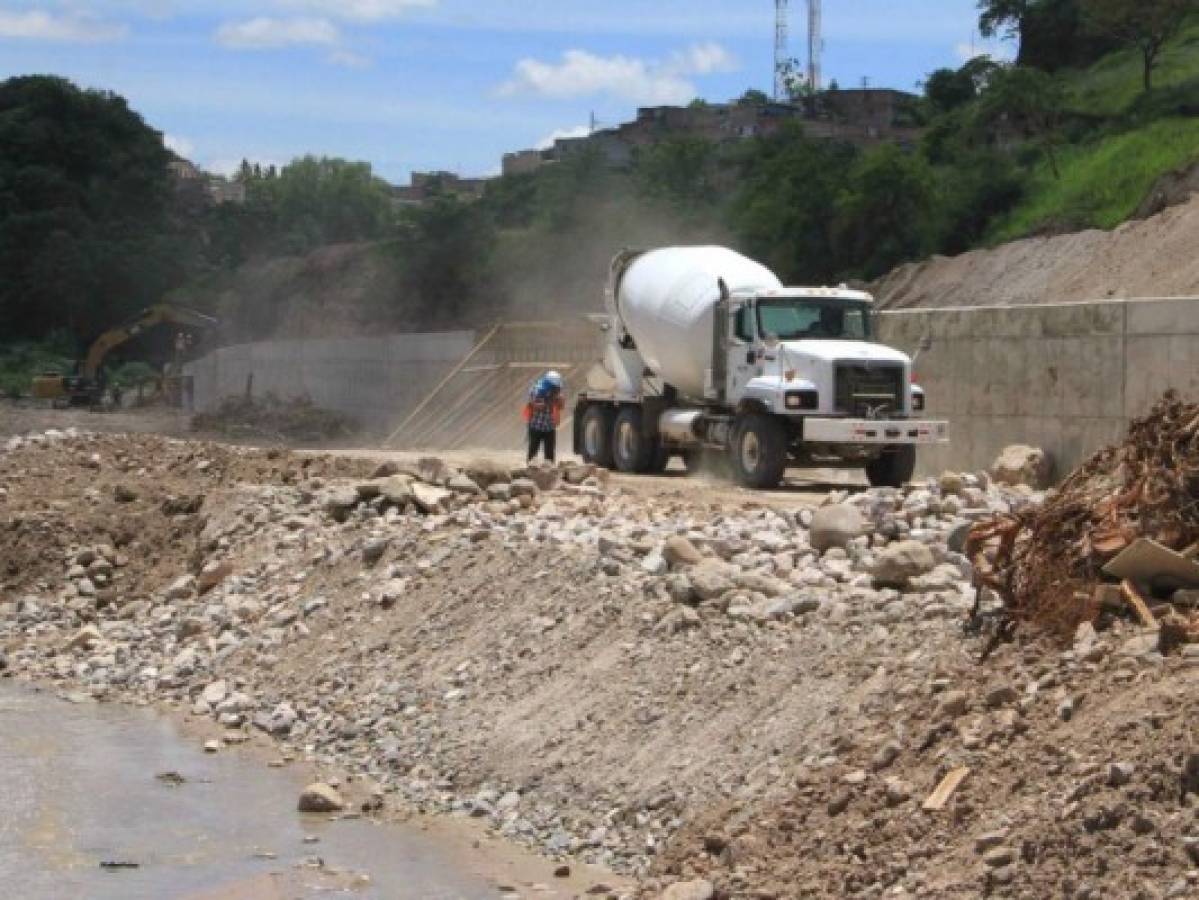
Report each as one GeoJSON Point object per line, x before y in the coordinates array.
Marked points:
{"type": "Point", "coordinates": [421, 429]}
{"type": "Point", "coordinates": [498, 425]}
{"type": "Point", "coordinates": [456, 407]}
{"type": "Point", "coordinates": [518, 365]}
{"type": "Point", "coordinates": [1147, 561]}
{"type": "Point", "coordinates": [950, 783]}
{"type": "Point", "coordinates": [432, 394]}
{"type": "Point", "coordinates": [1137, 602]}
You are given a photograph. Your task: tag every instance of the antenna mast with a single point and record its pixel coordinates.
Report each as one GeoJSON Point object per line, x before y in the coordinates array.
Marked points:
{"type": "Point", "coordinates": [815, 44]}
{"type": "Point", "coordinates": [780, 49]}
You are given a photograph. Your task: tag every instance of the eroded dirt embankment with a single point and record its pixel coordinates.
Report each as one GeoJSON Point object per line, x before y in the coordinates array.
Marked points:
{"type": "Point", "coordinates": [663, 685]}
{"type": "Point", "coordinates": [1153, 257]}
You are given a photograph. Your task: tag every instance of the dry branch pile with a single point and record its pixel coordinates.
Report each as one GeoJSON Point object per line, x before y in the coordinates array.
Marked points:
{"type": "Point", "coordinates": [269, 417]}
{"type": "Point", "coordinates": [1046, 562]}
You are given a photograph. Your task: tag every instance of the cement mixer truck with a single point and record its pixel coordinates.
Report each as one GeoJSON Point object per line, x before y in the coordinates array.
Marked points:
{"type": "Point", "coordinates": [706, 355]}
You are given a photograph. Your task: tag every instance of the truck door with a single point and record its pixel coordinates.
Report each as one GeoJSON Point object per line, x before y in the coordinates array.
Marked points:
{"type": "Point", "coordinates": [743, 363]}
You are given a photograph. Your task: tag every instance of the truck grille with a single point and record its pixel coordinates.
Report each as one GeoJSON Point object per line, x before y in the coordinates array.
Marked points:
{"type": "Point", "coordinates": [869, 390]}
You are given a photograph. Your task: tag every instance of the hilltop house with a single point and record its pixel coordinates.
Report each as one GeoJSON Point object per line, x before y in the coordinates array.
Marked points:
{"type": "Point", "coordinates": [864, 117]}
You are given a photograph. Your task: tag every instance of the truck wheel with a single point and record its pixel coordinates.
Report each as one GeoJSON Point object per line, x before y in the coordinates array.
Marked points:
{"type": "Point", "coordinates": [659, 460]}
{"type": "Point", "coordinates": [632, 451]}
{"type": "Point", "coordinates": [759, 451]}
{"type": "Point", "coordinates": [597, 436]}
{"type": "Point", "coordinates": [893, 467]}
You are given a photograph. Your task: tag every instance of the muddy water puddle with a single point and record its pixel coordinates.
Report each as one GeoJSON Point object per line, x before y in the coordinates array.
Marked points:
{"type": "Point", "coordinates": [79, 788]}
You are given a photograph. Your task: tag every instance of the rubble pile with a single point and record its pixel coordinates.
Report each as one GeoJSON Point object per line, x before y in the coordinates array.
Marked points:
{"type": "Point", "coordinates": [270, 418]}
{"type": "Point", "coordinates": [756, 697]}
{"type": "Point", "coordinates": [1047, 561]}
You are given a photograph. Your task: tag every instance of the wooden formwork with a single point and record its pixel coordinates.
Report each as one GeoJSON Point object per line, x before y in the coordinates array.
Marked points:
{"type": "Point", "coordinates": [478, 404]}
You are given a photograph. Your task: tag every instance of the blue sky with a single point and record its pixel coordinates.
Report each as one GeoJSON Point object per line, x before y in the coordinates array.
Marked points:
{"type": "Point", "coordinates": [445, 84]}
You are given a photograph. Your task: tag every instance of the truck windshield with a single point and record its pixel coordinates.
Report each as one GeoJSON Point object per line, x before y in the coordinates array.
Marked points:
{"type": "Point", "coordinates": [810, 318]}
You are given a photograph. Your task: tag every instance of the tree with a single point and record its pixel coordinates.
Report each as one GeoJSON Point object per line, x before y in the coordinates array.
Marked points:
{"type": "Point", "coordinates": [754, 97]}
{"type": "Point", "coordinates": [885, 212]}
{"type": "Point", "coordinates": [344, 199]}
{"type": "Point", "coordinates": [1144, 24]}
{"type": "Point", "coordinates": [446, 251]}
{"type": "Point", "coordinates": [86, 234]}
{"type": "Point", "coordinates": [794, 77]}
{"type": "Point", "coordinates": [681, 171]}
{"type": "Point", "coordinates": [785, 207]}
{"type": "Point", "coordinates": [1051, 32]}
{"type": "Point", "coordinates": [1031, 100]}
{"type": "Point", "coordinates": [1004, 18]}
{"type": "Point", "coordinates": [949, 89]}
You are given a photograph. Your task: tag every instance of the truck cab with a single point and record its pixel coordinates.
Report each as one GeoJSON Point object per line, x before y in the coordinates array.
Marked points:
{"type": "Point", "coordinates": [805, 351]}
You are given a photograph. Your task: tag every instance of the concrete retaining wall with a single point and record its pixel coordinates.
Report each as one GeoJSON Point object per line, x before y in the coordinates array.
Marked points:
{"type": "Point", "coordinates": [376, 380]}
{"type": "Point", "coordinates": [1066, 377]}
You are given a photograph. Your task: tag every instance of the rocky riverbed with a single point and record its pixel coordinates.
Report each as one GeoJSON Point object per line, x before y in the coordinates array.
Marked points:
{"type": "Point", "coordinates": [751, 700]}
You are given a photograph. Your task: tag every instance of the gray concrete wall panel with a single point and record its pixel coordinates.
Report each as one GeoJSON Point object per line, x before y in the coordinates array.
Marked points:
{"type": "Point", "coordinates": [1066, 377]}
{"type": "Point", "coordinates": [375, 380]}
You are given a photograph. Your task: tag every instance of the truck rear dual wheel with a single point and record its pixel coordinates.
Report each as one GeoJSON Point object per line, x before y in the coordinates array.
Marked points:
{"type": "Point", "coordinates": [597, 435]}
{"type": "Point", "coordinates": [759, 451]}
{"type": "Point", "coordinates": [894, 467]}
{"type": "Point", "coordinates": [632, 450]}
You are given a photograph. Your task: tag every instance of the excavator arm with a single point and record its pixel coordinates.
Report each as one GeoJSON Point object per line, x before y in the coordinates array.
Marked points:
{"type": "Point", "coordinates": [160, 313]}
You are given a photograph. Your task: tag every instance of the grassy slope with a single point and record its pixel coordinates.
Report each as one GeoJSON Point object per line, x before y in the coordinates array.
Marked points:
{"type": "Point", "coordinates": [1103, 179]}
{"type": "Point", "coordinates": [1112, 87]}
{"type": "Point", "coordinates": [1102, 182]}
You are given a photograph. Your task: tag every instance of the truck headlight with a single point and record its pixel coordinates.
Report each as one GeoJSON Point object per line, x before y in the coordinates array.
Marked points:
{"type": "Point", "coordinates": [917, 399]}
{"type": "Point", "coordinates": [802, 400]}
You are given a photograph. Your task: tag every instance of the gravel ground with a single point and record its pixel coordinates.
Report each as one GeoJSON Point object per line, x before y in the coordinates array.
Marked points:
{"type": "Point", "coordinates": [715, 695]}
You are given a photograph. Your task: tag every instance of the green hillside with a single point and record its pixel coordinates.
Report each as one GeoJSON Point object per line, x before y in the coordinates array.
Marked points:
{"type": "Point", "coordinates": [1102, 181]}
{"type": "Point", "coordinates": [1124, 140]}
{"type": "Point", "coordinates": [1112, 87]}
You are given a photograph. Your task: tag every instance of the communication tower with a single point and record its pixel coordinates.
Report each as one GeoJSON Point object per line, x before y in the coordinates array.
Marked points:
{"type": "Point", "coordinates": [815, 44]}
{"type": "Point", "coordinates": [780, 49]}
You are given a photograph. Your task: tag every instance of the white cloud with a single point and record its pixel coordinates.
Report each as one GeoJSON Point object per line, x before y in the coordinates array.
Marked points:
{"type": "Point", "coordinates": [179, 145]}
{"type": "Point", "coordinates": [348, 58]}
{"type": "Point", "coordinates": [703, 59]}
{"type": "Point", "coordinates": [37, 25]}
{"type": "Point", "coordinates": [265, 33]}
{"type": "Point", "coordinates": [562, 134]}
{"type": "Point", "coordinates": [358, 10]}
{"type": "Point", "coordinates": [641, 81]}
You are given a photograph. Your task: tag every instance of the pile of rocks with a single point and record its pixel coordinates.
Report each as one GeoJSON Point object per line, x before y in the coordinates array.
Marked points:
{"type": "Point", "coordinates": [589, 670]}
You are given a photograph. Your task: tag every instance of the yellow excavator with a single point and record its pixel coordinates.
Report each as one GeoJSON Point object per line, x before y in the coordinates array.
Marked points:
{"type": "Point", "coordinates": [86, 386]}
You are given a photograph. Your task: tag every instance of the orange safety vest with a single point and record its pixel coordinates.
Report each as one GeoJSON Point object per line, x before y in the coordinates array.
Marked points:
{"type": "Point", "coordinates": [559, 403]}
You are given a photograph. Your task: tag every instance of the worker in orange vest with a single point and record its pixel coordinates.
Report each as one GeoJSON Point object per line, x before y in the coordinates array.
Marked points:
{"type": "Point", "coordinates": [543, 414]}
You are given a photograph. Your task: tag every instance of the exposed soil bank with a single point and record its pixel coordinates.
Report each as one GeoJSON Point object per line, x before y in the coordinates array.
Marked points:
{"type": "Point", "coordinates": [1152, 257]}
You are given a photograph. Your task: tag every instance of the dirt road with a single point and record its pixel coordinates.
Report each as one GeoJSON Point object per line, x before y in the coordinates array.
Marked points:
{"type": "Point", "coordinates": [802, 487]}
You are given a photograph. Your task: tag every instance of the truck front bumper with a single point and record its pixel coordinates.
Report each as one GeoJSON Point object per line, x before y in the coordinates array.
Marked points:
{"type": "Point", "coordinates": [875, 431]}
